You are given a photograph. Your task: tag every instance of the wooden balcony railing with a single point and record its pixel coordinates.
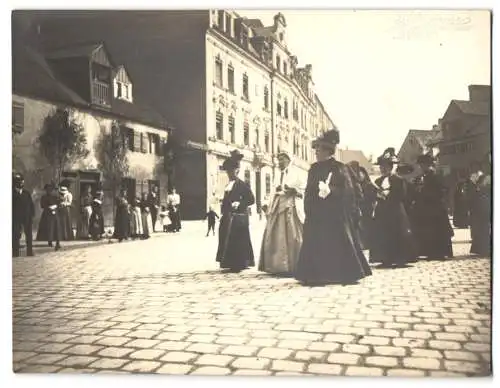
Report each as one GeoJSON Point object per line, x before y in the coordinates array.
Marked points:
{"type": "Point", "coordinates": [100, 93]}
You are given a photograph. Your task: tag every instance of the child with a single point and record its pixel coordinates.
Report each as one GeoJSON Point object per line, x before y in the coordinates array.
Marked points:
{"type": "Point", "coordinates": [211, 216]}
{"type": "Point", "coordinates": [165, 219]}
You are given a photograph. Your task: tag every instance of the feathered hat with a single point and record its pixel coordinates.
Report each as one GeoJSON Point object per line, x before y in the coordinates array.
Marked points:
{"type": "Point", "coordinates": [388, 157]}
{"type": "Point", "coordinates": [233, 162]}
{"type": "Point", "coordinates": [328, 139]}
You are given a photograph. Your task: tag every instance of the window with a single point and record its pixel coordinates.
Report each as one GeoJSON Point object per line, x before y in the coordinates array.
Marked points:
{"type": "Point", "coordinates": [220, 19]}
{"type": "Point", "coordinates": [278, 63]}
{"type": "Point", "coordinates": [266, 141]}
{"type": "Point", "coordinates": [245, 86]}
{"type": "Point", "coordinates": [144, 143]}
{"type": "Point", "coordinates": [230, 78]}
{"type": "Point", "coordinates": [231, 129]}
{"type": "Point", "coordinates": [266, 98]}
{"type": "Point", "coordinates": [152, 143]}
{"type": "Point", "coordinates": [246, 133]}
{"type": "Point", "coordinates": [129, 133]}
{"type": "Point", "coordinates": [219, 125]}
{"type": "Point", "coordinates": [119, 91]}
{"type": "Point", "coordinates": [244, 37]}
{"type": "Point", "coordinates": [285, 69]}
{"type": "Point", "coordinates": [278, 108]}
{"type": "Point", "coordinates": [257, 138]}
{"type": "Point", "coordinates": [126, 89]}
{"type": "Point", "coordinates": [285, 108]}
{"type": "Point", "coordinates": [228, 24]}
{"type": "Point", "coordinates": [17, 118]}
{"type": "Point", "coordinates": [218, 72]}
{"type": "Point", "coordinates": [268, 184]}
{"type": "Point", "coordinates": [247, 177]}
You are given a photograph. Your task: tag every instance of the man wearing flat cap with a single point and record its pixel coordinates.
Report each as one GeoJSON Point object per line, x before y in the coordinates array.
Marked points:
{"type": "Point", "coordinates": [23, 211]}
{"type": "Point", "coordinates": [331, 252]}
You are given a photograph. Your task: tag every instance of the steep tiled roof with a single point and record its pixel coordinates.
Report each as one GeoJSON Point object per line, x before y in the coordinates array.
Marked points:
{"type": "Point", "coordinates": [32, 76]}
{"type": "Point", "coordinates": [82, 50]}
{"type": "Point", "coordinates": [346, 156]}
{"type": "Point", "coordinates": [481, 108]}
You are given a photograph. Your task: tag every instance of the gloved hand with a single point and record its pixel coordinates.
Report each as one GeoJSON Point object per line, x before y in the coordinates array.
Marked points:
{"type": "Point", "coordinates": [324, 187]}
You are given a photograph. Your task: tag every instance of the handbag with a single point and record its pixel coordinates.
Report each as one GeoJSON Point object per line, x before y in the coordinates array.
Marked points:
{"type": "Point", "coordinates": [240, 220]}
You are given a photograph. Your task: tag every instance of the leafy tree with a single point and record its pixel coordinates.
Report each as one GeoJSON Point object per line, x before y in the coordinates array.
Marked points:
{"type": "Point", "coordinates": [112, 156]}
{"type": "Point", "coordinates": [62, 141]}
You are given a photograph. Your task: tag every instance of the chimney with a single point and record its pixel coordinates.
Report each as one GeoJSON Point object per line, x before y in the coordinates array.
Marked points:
{"type": "Point", "coordinates": [479, 93]}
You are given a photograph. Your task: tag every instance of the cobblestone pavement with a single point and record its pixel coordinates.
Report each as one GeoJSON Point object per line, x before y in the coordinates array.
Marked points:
{"type": "Point", "coordinates": [140, 307]}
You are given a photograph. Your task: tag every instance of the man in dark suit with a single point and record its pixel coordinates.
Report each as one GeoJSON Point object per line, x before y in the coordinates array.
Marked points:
{"type": "Point", "coordinates": [23, 211]}
{"type": "Point", "coordinates": [153, 201]}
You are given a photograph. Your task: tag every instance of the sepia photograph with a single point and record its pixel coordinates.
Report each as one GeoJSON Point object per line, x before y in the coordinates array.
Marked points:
{"type": "Point", "coordinates": [252, 192]}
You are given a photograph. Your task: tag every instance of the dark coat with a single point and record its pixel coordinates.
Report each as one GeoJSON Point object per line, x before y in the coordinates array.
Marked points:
{"type": "Point", "coordinates": [330, 253]}
{"type": "Point", "coordinates": [432, 228]}
{"type": "Point", "coordinates": [49, 228]}
{"type": "Point", "coordinates": [480, 216]}
{"type": "Point", "coordinates": [23, 208]}
{"type": "Point", "coordinates": [393, 241]}
{"type": "Point", "coordinates": [235, 250]}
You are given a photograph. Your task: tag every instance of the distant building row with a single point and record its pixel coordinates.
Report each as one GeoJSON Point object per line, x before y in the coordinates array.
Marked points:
{"type": "Point", "coordinates": [221, 80]}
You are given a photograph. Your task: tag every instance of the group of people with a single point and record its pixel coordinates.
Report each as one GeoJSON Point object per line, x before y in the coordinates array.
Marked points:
{"type": "Point", "coordinates": [137, 218]}
{"type": "Point", "coordinates": [472, 207]}
{"type": "Point", "coordinates": [318, 231]}
{"type": "Point", "coordinates": [56, 221]}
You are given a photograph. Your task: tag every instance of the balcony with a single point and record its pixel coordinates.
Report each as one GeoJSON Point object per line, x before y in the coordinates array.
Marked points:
{"type": "Point", "coordinates": [100, 93]}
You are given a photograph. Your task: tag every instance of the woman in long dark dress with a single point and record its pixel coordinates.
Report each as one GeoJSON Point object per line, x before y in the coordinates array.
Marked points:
{"type": "Point", "coordinates": [330, 252]}
{"type": "Point", "coordinates": [393, 242]}
{"type": "Point", "coordinates": [49, 226]}
{"type": "Point", "coordinates": [461, 206]}
{"type": "Point", "coordinates": [122, 217]}
{"type": "Point", "coordinates": [235, 252]}
{"type": "Point", "coordinates": [480, 219]}
{"type": "Point", "coordinates": [432, 228]}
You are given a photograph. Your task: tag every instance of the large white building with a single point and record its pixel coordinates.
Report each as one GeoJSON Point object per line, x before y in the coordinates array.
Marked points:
{"type": "Point", "coordinates": [224, 82]}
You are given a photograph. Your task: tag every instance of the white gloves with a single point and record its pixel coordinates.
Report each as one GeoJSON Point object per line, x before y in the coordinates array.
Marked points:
{"type": "Point", "coordinates": [324, 187]}
{"type": "Point", "coordinates": [235, 205]}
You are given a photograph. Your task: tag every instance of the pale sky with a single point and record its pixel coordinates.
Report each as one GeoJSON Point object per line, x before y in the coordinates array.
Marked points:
{"type": "Point", "coordinates": [381, 73]}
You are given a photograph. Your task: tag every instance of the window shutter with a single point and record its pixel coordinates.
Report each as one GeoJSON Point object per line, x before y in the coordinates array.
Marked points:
{"type": "Point", "coordinates": [137, 141]}
{"type": "Point", "coordinates": [143, 142]}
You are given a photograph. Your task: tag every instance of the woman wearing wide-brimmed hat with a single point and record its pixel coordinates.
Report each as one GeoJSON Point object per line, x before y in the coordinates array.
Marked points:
{"type": "Point", "coordinates": [331, 252]}
{"type": "Point", "coordinates": [393, 242]}
{"type": "Point", "coordinates": [235, 252]}
{"type": "Point", "coordinates": [285, 217]}
{"type": "Point", "coordinates": [432, 228]}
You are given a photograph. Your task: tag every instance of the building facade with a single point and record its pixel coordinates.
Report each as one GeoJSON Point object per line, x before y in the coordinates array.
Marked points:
{"type": "Point", "coordinates": [98, 95]}
{"type": "Point", "coordinates": [223, 81]}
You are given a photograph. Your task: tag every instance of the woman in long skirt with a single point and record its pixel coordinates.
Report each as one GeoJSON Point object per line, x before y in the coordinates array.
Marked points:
{"type": "Point", "coordinates": [82, 229]}
{"type": "Point", "coordinates": [480, 220]}
{"type": "Point", "coordinates": [393, 242]}
{"type": "Point", "coordinates": [49, 227]}
{"type": "Point", "coordinates": [122, 227]}
{"type": "Point", "coordinates": [65, 213]}
{"type": "Point", "coordinates": [147, 221]}
{"type": "Point", "coordinates": [283, 234]}
{"type": "Point", "coordinates": [235, 252]}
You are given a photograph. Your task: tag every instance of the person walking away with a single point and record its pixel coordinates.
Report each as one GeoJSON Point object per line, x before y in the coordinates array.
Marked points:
{"type": "Point", "coordinates": [23, 212]}
{"type": "Point", "coordinates": [330, 252]}
{"type": "Point", "coordinates": [49, 228]}
{"type": "Point", "coordinates": [174, 201]}
{"type": "Point", "coordinates": [282, 238]}
{"type": "Point", "coordinates": [154, 205]}
{"type": "Point", "coordinates": [211, 217]}
{"type": "Point", "coordinates": [433, 231]}
{"type": "Point", "coordinates": [147, 223]}
{"type": "Point", "coordinates": [96, 222]}
{"type": "Point", "coordinates": [65, 212]}
{"type": "Point", "coordinates": [82, 230]}
{"type": "Point", "coordinates": [393, 242]}
{"type": "Point", "coordinates": [480, 224]}
{"type": "Point", "coordinates": [122, 227]}
{"type": "Point", "coordinates": [164, 218]}
{"type": "Point", "coordinates": [235, 252]}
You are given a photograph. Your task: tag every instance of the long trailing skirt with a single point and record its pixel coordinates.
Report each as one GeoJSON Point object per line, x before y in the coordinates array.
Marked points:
{"type": "Point", "coordinates": [282, 238]}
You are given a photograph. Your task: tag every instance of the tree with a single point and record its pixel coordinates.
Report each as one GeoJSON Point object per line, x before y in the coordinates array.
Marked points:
{"type": "Point", "coordinates": [62, 141]}
{"type": "Point", "coordinates": [112, 157]}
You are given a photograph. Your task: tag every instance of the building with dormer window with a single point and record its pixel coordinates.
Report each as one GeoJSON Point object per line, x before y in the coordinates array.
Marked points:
{"type": "Point", "coordinates": [83, 79]}
{"type": "Point", "coordinates": [224, 81]}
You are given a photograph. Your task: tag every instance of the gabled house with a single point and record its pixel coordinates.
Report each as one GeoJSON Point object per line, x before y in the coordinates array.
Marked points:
{"type": "Point", "coordinates": [83, 79]}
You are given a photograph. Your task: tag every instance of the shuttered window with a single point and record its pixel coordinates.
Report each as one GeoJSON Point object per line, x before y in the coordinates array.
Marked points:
{"type": "Point", "coordinates": [17, 118]}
